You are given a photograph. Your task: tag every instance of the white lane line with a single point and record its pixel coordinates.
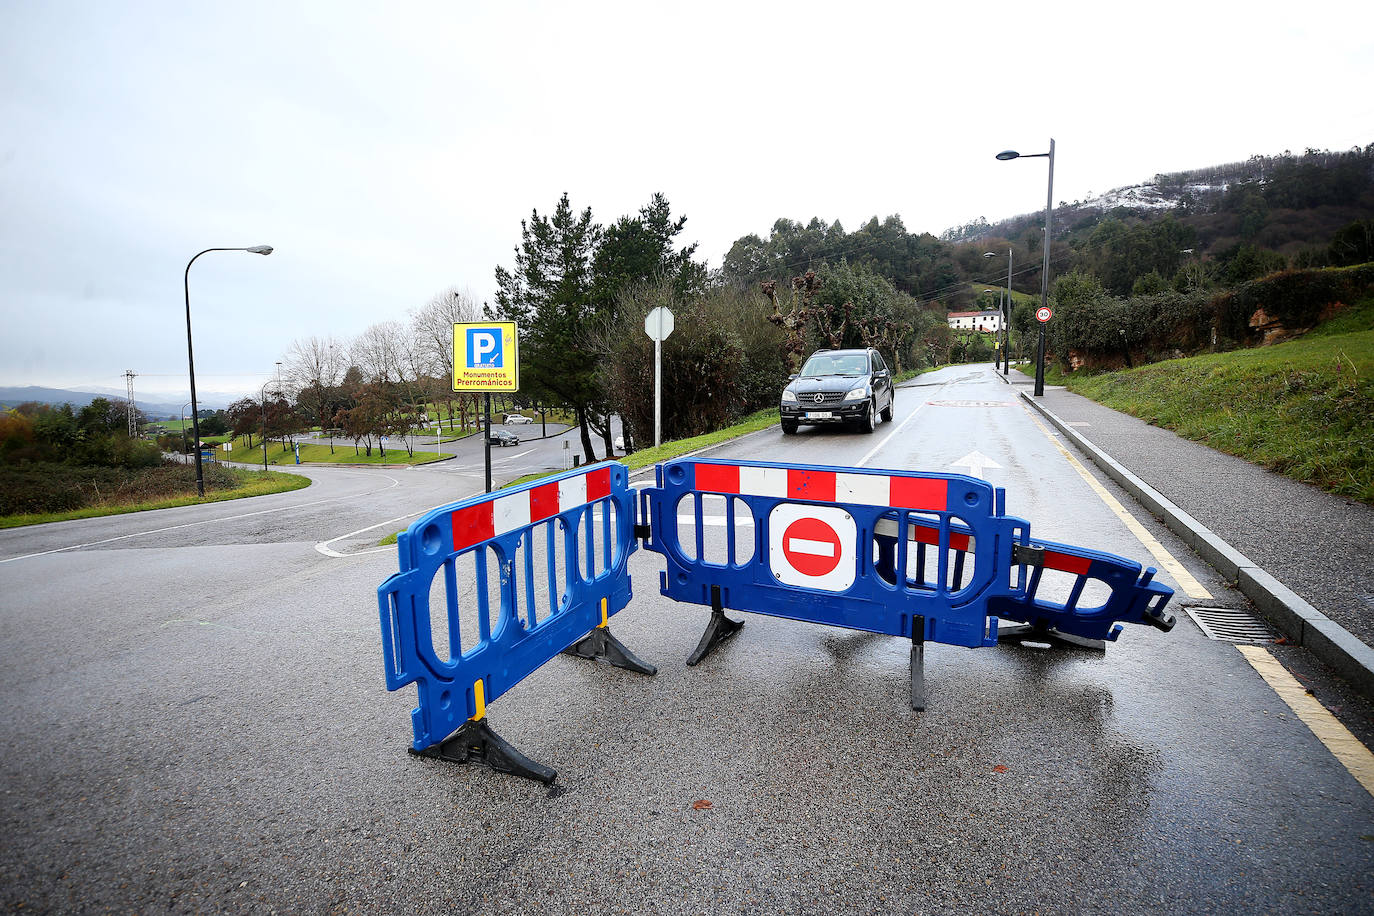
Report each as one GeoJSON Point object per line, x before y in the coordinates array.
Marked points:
{"type": "Point", "coordinates": [877, 448]}
{"type": "Point", "coordinates": [1344, 746]}
{"type": "Point", "coordinates": [208, 521]}
{"type": "Point", "coordinates": [900, 426]}
{"type": "Point", "coordinates": [507, 458]}
{"type": "Point", "coordinates": [324, 548]}
{"type": "Point", "coordinates": [1191, 587]}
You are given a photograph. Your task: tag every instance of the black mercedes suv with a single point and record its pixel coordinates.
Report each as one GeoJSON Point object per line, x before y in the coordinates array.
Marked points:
{"type": "Point", "coordinates": [839, 386]}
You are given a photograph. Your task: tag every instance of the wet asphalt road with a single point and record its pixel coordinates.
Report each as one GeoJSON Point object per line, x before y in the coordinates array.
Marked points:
{"type": "Point", "coordinates": [194, 720]}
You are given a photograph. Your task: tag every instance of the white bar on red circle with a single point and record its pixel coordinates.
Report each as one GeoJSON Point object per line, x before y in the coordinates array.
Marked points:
{"type": "Point", "coordinates": [818, 548]}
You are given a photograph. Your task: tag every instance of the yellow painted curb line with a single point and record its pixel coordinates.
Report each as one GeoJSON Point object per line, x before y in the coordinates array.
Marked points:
{"type": "Point", "coordinates": [1346, 748]}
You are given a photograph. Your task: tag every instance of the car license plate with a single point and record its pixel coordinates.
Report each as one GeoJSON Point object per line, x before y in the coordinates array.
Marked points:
{"type": "Point", "coordinates": [819, 415]}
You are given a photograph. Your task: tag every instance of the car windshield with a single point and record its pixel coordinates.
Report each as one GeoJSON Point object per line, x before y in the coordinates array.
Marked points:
{"type": "Point", "coordinates": [836, 364]}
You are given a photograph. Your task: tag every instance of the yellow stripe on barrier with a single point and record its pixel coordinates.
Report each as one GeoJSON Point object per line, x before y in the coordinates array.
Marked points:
{"type": "Point", "coordinates": [603, 613]}
{"type": "Point", "coordinates": [480, 698]}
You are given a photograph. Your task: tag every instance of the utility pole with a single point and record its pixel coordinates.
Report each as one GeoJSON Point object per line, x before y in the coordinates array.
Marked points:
{"type": "Point", "coordinates": [129, 376]}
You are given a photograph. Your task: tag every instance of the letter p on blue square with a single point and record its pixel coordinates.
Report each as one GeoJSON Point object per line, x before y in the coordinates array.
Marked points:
{"type": "Point", "coordinates": [484, 348]}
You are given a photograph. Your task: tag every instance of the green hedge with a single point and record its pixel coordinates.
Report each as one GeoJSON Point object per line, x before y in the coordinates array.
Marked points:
{"type": "Point", "coordinates": [1294, 298]}
{"type": "Point", "coordinates": [1103, 329]}
{"type": "Point", "coordinates": [43, 487]}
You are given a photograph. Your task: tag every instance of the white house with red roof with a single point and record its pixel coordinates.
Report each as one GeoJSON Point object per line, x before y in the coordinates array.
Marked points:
{"type": "Point", "coordinates": [989, 321]}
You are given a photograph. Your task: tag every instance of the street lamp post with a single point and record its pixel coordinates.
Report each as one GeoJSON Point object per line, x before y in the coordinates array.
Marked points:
{"type": "Point", "coordinates": [191, 360]}
{"type": "Point", "coordinates": [183, 427]}
{"type": "Point", "coordinates": [994, 330]}
{"type": "Point", "coordinates": [1006, 315]}
{"type": "Point", "coordinates": [1045, 269]}
{"type": "Point", "coordinates": [262, 401]}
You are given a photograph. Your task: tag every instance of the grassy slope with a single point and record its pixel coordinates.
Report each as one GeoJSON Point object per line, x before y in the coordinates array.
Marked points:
{"type": "Point", "coordinates": [250, 483]}
{"type": "Point", "coordinates": [1304, 408]}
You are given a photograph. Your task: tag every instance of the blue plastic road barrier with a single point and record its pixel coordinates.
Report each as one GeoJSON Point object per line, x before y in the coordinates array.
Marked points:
{"type": "Point", "coordinates": [931, 557]}
{"type": "Point", "coordinates": [559, 549]}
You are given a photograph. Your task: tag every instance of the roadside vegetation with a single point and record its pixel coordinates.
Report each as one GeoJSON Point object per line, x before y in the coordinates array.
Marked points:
{"type": "Point", "coordinates": [60, 463]}
{"type": "Point", "coordinates": [111, 491]}
{"type": "Point", "coordinates": [1301, 407]}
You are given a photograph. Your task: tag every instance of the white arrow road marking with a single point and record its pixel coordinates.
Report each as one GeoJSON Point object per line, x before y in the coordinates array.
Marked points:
{"type": "Point", "coordinates": [815, 548]}
{"type": "Point", "coordinates": [976, 462]}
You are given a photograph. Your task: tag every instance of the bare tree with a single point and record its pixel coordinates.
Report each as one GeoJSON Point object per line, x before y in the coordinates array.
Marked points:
{"type": "Point", "coordinates": [312, 374]}
{"type": "Point", "coordinates": [432, 326]}
{"type": "Point", "coordinates": [380, 351]}
{"type": "Point", "coordinates": [314, 361]}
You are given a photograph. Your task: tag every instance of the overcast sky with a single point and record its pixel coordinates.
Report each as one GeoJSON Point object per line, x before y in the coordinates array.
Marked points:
{"type": "Point", "coordinates": [389, 151]}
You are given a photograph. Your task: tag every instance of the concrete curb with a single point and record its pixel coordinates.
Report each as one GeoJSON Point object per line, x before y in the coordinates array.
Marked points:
{"type": "Point", "coordinates": [1303, 623]}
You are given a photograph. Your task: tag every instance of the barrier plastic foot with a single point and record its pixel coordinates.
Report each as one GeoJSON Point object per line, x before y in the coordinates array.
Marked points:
{"type": "Point", "coordinates": [918, 663]}
{"type": "Point", "coordinates": [475, 740]}
{"type": "Point", "coordinates": [918, 677]}
{"type": "Point", "coordinates": [599, 644]}
{"type": "Point", "coordinates": [1040, 632]}
{"type": "Point", "coordinates": [718, 629]}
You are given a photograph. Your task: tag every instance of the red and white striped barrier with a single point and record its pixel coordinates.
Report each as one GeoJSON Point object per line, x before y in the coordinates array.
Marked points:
{"type": "Point", "coordinates": [505, 514]}
{"type": "Point", "coordinates": [865, 489]}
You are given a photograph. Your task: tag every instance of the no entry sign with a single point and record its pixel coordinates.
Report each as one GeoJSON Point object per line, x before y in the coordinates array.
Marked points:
{"type": "Point", "coordinates": [812, 546]}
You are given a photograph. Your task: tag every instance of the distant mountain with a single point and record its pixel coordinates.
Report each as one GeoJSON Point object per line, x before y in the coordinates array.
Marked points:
{"type": "Point", "coordinates": [1282, 203]}
{"type": "Point", "coordinates": [13, 396]}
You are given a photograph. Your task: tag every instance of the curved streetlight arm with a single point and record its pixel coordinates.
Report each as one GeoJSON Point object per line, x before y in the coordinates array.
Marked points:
{"type": "Point", "coordinates": [1045, 269]}
{"type": "Point", "coordinates": [191, 360]}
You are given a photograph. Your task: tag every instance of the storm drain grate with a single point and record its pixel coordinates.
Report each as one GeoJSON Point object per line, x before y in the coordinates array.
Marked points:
{"type": "Point", "coordinates": [1231, 624]}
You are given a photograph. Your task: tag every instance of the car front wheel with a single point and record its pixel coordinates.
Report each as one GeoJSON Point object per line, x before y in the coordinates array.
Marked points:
{"type": "Point", "coordinates": [870, 419]}
{"type": "Point", "coordinates": [789, 427]}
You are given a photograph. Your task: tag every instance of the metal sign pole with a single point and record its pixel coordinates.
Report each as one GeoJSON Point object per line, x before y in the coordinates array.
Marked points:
{"type": "Point", "coordinates": [1045, 279]}
{"type": "Point", "coordinates": [658, 384]}
{"type": "Point", "coordinates": [658, 324]}
{"type": "Point", "coordinates": [487, 439]}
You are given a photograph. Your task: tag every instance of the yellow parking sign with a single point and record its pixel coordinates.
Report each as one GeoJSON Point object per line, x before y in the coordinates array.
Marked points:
{"type": "Point", "coordinates": [486, 356]}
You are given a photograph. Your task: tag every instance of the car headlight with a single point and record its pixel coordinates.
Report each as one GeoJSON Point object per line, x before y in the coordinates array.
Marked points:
{"type": "Point", "coordinates": [789, 396]}
{"type": "Point", "coordinates": [858, 394]}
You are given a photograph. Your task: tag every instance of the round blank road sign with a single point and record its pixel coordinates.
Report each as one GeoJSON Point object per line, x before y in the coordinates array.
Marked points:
{"type": "Point", "coordinates": [1043, 314]}
{"type": "Point", "coordinates": [812, 546]}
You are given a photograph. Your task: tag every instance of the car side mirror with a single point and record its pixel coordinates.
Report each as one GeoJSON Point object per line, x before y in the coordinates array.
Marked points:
{"type": "Point", "coordinates": [792, 377]}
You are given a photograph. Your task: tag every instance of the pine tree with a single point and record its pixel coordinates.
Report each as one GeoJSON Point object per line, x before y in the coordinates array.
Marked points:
{"type": "Point", "coordinates": [548, 294]}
